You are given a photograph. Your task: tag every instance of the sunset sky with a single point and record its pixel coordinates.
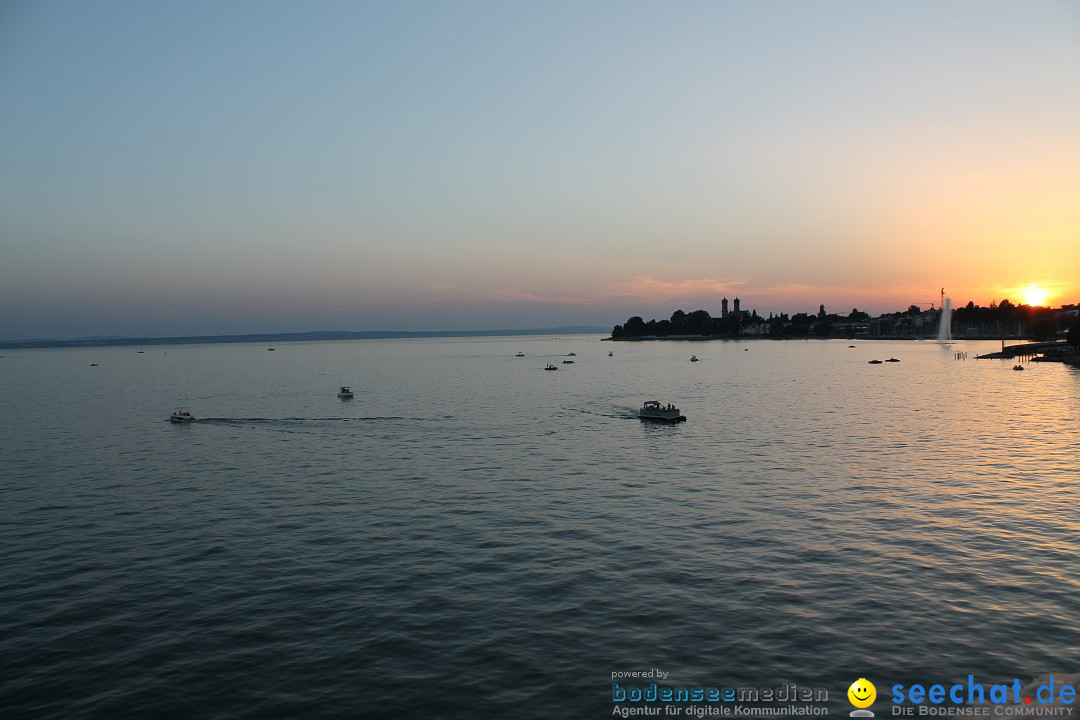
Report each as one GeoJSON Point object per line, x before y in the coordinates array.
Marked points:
{"type": "Point", "coordinates": [234, 166]}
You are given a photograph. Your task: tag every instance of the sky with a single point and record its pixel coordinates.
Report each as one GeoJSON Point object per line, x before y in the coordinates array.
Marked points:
{"type": "Point", "coordinates": [235, 166]}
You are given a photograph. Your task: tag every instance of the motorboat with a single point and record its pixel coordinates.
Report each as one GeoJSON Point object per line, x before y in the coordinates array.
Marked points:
{"type": "Point", "coordinates": [610, 353]}
{"type": "Point", "coordinates": [892, 360]}
{"type": "Point", "coordinates": [572, 354]}
{"type": "Point", "coordinates": [551, 367]}
{"type": "Point", "coordinates": [520, 354]}
{"type": "Point", "coordinates": [567, 362]}
{"type": "Point", "coordinates": [693, 358]}
{"type": "Point", "coordinates": [875, 362]}
{"type": "Point", "coordinates": [345, 392]}
{"type": "Point", "coordinates": [655, 411]}
{"type": "Point", "coordinates": [181, 417]}
{"type": "Point", "coordinates": [1018, 367]}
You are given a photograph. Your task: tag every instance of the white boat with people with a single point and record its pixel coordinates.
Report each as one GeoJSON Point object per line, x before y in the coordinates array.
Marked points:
{"type": "Point", "coordinates": [181, 417]}
{"type": "Point", "coordinates": [659, 412]}
{"type": "Point", "coordinates": [345, 392]}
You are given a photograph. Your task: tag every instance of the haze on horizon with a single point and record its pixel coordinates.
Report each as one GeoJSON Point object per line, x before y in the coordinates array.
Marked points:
{"type": "Point", "coordinates": [194, 168]}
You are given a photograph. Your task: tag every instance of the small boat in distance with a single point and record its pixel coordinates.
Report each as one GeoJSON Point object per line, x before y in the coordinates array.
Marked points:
{"type": "Point", "coordinates": [1018, 367]}
{"type": "Point", "coordinates": [520, 354]}
{"type": "Point", "coordinates": [875, 362]}
{"type": "Point", "coordinates": [551, 367]}
{"type": "Point", "coordinates": [567, 362]}
{"type": "Point", "coordinates": [610, 353]}
{"type": "Point", "coordinates": [571, 354]}
{"type": "Point", "coordinates": [181, 417]}
{"type": "Point", "coordinates": [345, 392]}
{"type": "Point", "coordinates": [892, 360]}
{"type": "Point", "coordinates": [693, 358]}
{"type": "Point", "coordinates": [654, 411]}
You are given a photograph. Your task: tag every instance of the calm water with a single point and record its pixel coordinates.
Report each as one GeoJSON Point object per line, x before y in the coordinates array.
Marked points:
{"type": "Point", "coordinates": [473, 537]}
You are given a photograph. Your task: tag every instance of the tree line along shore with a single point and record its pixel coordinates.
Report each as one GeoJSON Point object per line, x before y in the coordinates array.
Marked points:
{"type": "Point", "coordinates": [999, 320]}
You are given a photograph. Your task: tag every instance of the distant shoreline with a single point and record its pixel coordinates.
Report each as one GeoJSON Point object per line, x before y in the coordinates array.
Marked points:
{"type": "Point", "coordinates": [296, 337]}
{"type": "Point", "coordinates": [845, 338]}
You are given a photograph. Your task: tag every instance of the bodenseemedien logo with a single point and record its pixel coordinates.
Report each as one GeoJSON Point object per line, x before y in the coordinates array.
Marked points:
{"type": "Point", "coordinates": [701, 701]}
{"type": "Point", "coordinates": [861, 694]}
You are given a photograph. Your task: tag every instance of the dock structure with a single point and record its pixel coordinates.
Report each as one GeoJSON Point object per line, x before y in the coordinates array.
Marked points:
{"type": "Point", "coordinates": [1024, 350]}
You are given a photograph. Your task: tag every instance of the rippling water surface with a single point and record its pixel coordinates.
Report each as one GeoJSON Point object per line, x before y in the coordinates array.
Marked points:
{"type": "Point", "coordinates": [473, 537]}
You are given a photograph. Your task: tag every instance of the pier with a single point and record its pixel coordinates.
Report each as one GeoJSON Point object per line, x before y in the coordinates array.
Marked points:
{"type": "Point", "coordinates": [1025, 350]}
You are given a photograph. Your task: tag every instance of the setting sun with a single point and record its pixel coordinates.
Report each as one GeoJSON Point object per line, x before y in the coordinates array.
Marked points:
{"type": "Point", "coordinates": [1033, 295]}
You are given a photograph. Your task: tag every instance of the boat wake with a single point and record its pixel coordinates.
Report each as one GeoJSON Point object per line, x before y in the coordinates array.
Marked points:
{"type": "Point", "coordinates": [618, 413]}
{"type": "Point", "coordinates": [304, 420]}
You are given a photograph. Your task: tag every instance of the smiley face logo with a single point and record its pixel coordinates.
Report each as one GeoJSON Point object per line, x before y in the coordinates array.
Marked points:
{"type": "Point", "coordinates": [862, 693]}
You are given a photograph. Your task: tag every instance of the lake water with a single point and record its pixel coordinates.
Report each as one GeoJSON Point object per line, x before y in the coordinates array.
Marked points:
{"type": "Point", "coordinates": [474, 537]}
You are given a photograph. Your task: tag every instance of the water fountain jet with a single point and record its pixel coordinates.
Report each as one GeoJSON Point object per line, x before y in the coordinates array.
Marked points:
{"type": "Point", "coordinates": [944, 333]}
